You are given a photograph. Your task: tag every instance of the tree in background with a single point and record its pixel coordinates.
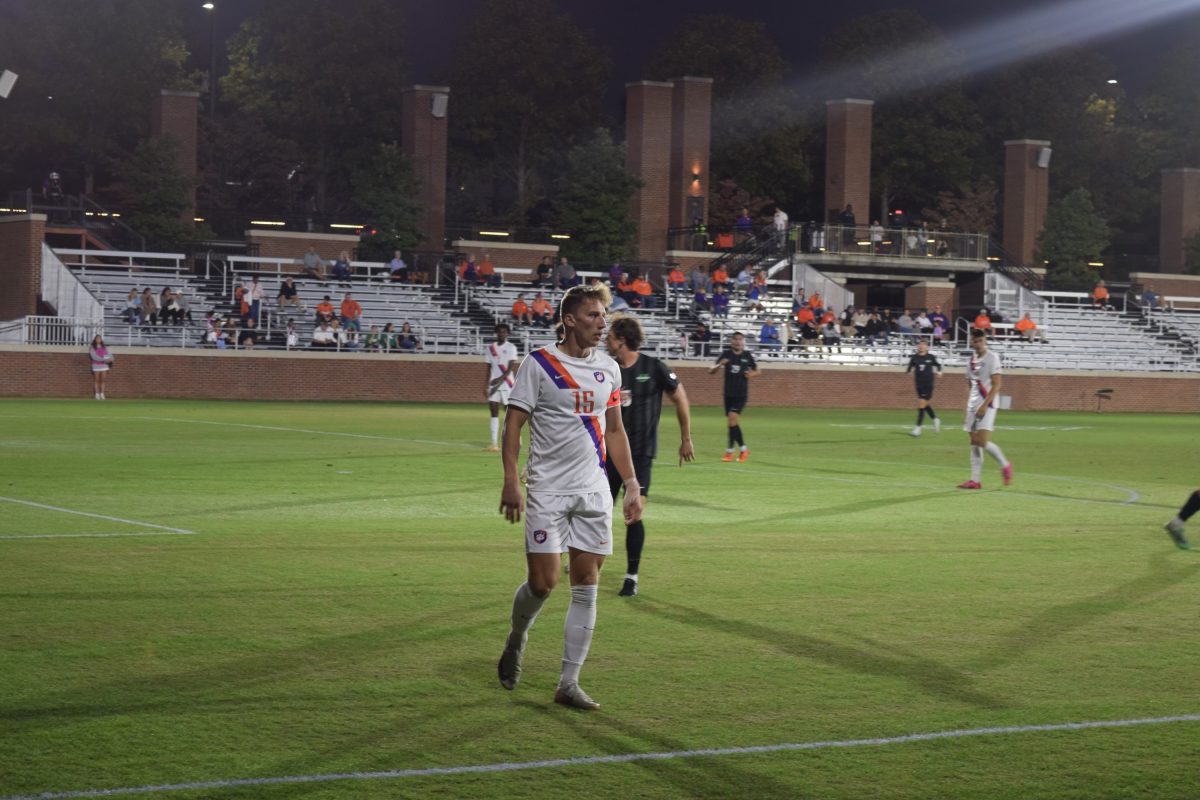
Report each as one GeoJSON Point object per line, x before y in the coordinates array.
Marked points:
{"type": "Point", "coordinates": [761, 139]}
{"type": "Point", "coordinates": [594, 200]}
{"type": "Point", "coordinates": [158, 196]}
{"type": "Point", "coordinates": [385, 190]}
{"type": "Point", "coordinates": [325, 76]}
{"type": "Point", "coordinates": [1074, 235]}
{"type": "Point", "coordinates": [88, 76]}
{"type": "Point", "coordinates": [246, 170]}
{"type": "Point", "coordinates": [1191, 254]}
{"type": "Point", "coordinates": [527, 84]}
{"type": "Point", "coordinates": [971, 208]}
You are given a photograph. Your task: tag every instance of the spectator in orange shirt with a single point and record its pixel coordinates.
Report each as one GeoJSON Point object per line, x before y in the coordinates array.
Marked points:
{"type": "Point", "coordinates": [720, 277]}
{"type": "Point", "coordinates": [644, 291]}
{"type": "Point", "coordinates": [828, 317]}
{"type": "Point", "coordinates": [351, 314]}
{"type": "Point", "coordinates": [543, 312]}
{"type": "Point", "coordinates": [487, 272]}
{"type": "Point", "coordinates": [805, 314]}
{"type": "Point", "coordinates": [816, 303]}
{"type": "Point", "coordinates": [1029, 329]}
{"type": "Point", "coordinates": [468, 272]}
{"type": "Point", "coordinates": [760, 282]}
{"type": "Point", "coordinates": [1100, 296]}
{"type": "Point", "coordinates": [521, 311]}
{"type": "Point", "coordinates": [625, 290]}
{"type": "Point", "coordinates": [983, 322]}
{"type": "Point", "coordinates": [324, 311]}
{"type": "Point", "coordinates": [676, 280]}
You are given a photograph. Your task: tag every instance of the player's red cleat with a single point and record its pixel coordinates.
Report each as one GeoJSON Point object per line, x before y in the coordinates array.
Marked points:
{"type": "Point", "coordinates": [1007, 473]}
{"type": "Point", "coordinates": [727, 457]}
{"type": "Point", "coordinates": [970, 485]}
{"type": "Point", "coordinates": [743, 456]}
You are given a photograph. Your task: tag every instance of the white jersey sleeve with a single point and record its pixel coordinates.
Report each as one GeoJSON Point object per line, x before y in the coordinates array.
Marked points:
{"type": "Point", "coordinates": [567, 400]}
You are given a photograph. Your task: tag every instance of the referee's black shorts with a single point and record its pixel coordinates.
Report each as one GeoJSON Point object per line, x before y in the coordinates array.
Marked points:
{"type": "Point", "coordinates": [641, 468]}
{"type": "Point", "coordinates": [734, 405]}
{"type": "Point", "coordinates": [924, 392]}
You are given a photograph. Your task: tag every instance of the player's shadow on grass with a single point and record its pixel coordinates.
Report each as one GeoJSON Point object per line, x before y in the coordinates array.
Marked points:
{"type": "Point", "coordinates": [926, 675]}
{"type": "Point", "coordinates": [1056, 621]}
{"type": "Point", "coordinates": [852, 507]}
{"type": "Point", "coordinates": [688, 502]}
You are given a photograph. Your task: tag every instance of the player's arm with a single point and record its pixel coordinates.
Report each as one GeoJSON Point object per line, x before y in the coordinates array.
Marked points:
{"type": "Point", "coordinates": [617, 444]}
{"type": "Point", "coordinates": [753, 371]}
{"type": "Point", "coordinates": [722, 362]}
{"type": "Point", "coordinates": [991, 395]}
{"type": "Point", "coordinates": [683, 413]}
{"type": "Point", "coordinates": [488, 383]}
{"type": "Point", "coordinates": [512, 502]}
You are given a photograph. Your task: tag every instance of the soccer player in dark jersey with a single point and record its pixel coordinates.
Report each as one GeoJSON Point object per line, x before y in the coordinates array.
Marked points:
{"type": "Point", "coordinates": [644, 381]}
{"type": "Point", "coordinates": [1176, 526]}
{"type": "Point", "coordinates": [925, 368]}
{"type": "Point", "coordinates": [739, 366]}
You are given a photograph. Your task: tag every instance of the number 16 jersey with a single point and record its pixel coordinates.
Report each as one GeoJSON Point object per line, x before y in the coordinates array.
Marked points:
{"type": "Point", "coordinates": [567, 399]}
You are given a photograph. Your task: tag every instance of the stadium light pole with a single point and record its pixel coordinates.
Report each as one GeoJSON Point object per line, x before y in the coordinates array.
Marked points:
{"type": "Point", "coordinates": [211, 8]}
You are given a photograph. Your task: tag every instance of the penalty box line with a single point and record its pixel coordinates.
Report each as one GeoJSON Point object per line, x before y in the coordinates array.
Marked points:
{"type": "Point", "coordinates": [623, 758]}
{"type": "Point", "coordinates": [159, 529]}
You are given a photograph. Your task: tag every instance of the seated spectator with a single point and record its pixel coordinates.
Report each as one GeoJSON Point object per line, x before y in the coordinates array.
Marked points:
{"type": "Point", "coordinates": [625, 289]}
{"type": "Point", "coordinates": [816, 303]}
{"type": "Point", "coordinates": [1150, 298]}
{"type": "Point", "coordinates": [180, 306]}
{"type": "Point", "coordinates": [805, 315]}
{"type": "Point", "coordinates": [1029, 329]}
{"type": "Point", "coordinates": [809, 334]}
{"type": "Point", "coordinates": [564, 274]}
{"type": "Point", "coordinates": [698, 280]}
{"type": "Point", "coordinates": [848, 329]}
{"type": "Point", "coordinates": [643, 291]}
{"type": "Point", "coordinates": [521, 311]}
{"type": "Point", "coordinates": [291, 336]}
{"type": "Point", "coordinates": [341, 267]}
{"type": "Point", "coordinates": [397, 269]}
{"type": "Point", "coordinates": [351, 314]}
{"type": "Point", "coordinates": [487, 272]}
{"type": "Point", "coordinates": [289, 295]}
{"type": "Point", "coordinates": [406, 339]}
{"type": "Point", "coordinates": [983, 322]}
{"type": "Point", "coordinates": [222, 335]}
{"type": "Point", "coordinates": [211, 321]}
{"type": "Point", "coordinates": [799, 301]}
{"type": "Point", "coordinates": [742, 281]}
{"type": "Point", "coordinates": [768, 335]}
{"type": "Point", "coordinates": [468, 272]}
{"type": "Point", "coordinates": [939, 318]}
{"type": "Point", "coordinates": [230, 334]}
{"type": "Point", "coordinates": [346, 339]}
{"type": "Point", "coordinates": [314, 265]}
{"type": "Point", "coordinates": [324, 311]}
{"type": "Point", "coordinates": [323, 336]}
{"type": "Point", "coordinates": [676, 280]}
{"type": "Point", "coordinates": [905, 323]}
{"type": "Point", "coordinates": [149, 307]}
{"type": "Point", "coordinates": [541, 273]}
{"type": "Point", "coordinates": [754, 301]}
{"type": "Point", "coordinates": [760, 282]}
{"type": "Point", "coordinates": [827, 318]}
{"type": "Point", "coordinates": [249, 335]}
{"type": "Point", "coordinates": [700, 339]}
{"type": "Point", "coordinates": [165, 315]}
{"type": "Point", "coordinates": [618, 304]}
{"type": "Point", "coordinates": [543, 312]}
{"type": "Point", "coordinates": [876, 329]}
{"type": "Point", "coordinates": [700, 301]}
{"type": "Point", "coordinates": [720, 278]}
{"type": "Point", "coordinates": [1100, 297]}
{"type": "Point", "coordinates": [133, 307]}
{"type": "Point", "coordinates": [924, 325]}
{"type": "Point", "coordinates": [860, 320]}
{"type": "Point", "coordinates": [614, 275]}
{"type": "Point", "coordinates": [374, 343]}
{"type": "Point", "coordinates": [720, 301]}
{"type": "Point", "coordinates": [830, 335]}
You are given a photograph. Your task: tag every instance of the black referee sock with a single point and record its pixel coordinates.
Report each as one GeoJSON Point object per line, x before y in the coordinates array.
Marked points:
{"type": "Point", "coordinates": [929, 410]}
{"type": "Point", "coordinates": [635, 538]}
{"type": "Point", "coordinates": [732, 436]}
{"type": "Point", "coordinates": [1191, 506]}
{"type": "Point", "coordinates": [737, 436]}
{"type": "Point", "coordinates": [920, 416]}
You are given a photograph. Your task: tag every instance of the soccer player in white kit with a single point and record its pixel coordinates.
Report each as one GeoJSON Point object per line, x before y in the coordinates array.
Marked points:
{"type": "Point", "coordinates": [983, 373]}
{"type": "Point", "coordinates": [570, 394]}
{"type": "Point", "coordinates": [501, 358]}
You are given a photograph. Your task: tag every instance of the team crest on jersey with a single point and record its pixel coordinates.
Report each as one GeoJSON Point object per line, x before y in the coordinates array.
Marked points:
{"type": "Point", "coordinates": [539, 537]}
{"type": "Point", "coordinates": [598, 375]}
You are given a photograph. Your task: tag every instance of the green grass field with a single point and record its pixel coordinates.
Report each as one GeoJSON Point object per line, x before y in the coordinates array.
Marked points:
{"type": "Point", "coordinates": [341, 600]}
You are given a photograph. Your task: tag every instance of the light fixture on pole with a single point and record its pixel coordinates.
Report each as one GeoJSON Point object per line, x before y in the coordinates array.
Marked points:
{"type": "Point", "coordinates": [212, 58]}
{"type": "Point", "coordinates": [7, 81]}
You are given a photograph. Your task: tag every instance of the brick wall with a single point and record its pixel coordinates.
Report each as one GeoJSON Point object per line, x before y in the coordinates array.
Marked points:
{"type": "Point", "coordinates": [648, 157]}
{"type": "Point", "coordinates": [848, 158]}
{"type": "Point", "coordinates": [691, 134]}
{"type": "Point", "coordinates": [21, 238]}
{"type": "Point", "coordinates": [931, 293]}
{"type": "Point", "coordinates": [288, 244]}
{"type": "Point", "coordinates": [1169, 285]}
{"type": "Point", "coordinates": [176, 114]}
{"type": "Point", "coordinates": [423, 139]}
{"type": "Point", "coordinates": [504, 254]}
{"type": "Point", "coordinates": [1179, 216]}
{"type": "Point", "coordinates": [1026, 193]}
{"type": "Point", "coordinates": [201, 374]}
{"type": "Point", "coordinates": [686, 259]}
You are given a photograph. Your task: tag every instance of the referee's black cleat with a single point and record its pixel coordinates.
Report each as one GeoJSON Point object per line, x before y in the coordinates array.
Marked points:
{"type": "Point", "coordinates": [629, 588]}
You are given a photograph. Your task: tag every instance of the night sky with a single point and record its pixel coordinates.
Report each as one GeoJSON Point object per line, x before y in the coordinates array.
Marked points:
{"type": "Point", "coordinates": [631, 30]}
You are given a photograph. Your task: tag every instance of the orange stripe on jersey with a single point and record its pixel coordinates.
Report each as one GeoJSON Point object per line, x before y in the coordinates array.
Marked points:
{"type": "Point", "coordinates": [554, 368]}
{"type": "Point", "coordinates": [614, 399]}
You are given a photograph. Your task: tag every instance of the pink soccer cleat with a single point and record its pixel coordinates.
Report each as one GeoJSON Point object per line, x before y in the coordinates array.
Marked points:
{"type": "Point", "coordinates": [1007, 473]}
{"type": "Point", "coordinates": [970, 485]}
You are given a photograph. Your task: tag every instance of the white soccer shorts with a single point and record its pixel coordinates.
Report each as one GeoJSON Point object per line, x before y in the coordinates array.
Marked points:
{"type": "Point", "coordinates": [986, 423]}
{"type": "Point", "coordinates": [500, 395]}
{"type": "Point", "coordinates": [555, 522]}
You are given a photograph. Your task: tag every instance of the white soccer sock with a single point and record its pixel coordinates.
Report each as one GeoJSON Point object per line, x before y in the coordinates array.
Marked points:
{"type": "Point", "coordinates": [995, 452]}
{"type": "Point", "coordinates": [577, 633]}
{"type": "Point", "coordinates": [629, 576]}
{"type": "Point", "coordinates": [976, 463]}
{"type": "Point", "coordinates": [526, 606]}
{"type": "Point", "coordinates": [495, 426]}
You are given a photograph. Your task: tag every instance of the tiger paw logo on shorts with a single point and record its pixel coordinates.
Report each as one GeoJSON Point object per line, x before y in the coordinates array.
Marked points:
{"type": "Point", "coordinates": [539, 537]}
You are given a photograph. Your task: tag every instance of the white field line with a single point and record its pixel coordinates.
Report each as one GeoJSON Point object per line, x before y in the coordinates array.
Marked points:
{"type": "Point", "coordinates": [621, 758]}
{"type": "Point", "coordinates": [890, 426]}
{"type": "Point", "coordinates": [90, 535]}
{"type": "Point", "coordinates": [31, 504]}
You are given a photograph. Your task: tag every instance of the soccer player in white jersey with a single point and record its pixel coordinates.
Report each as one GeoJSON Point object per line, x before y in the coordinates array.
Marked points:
{"type": "Point", "coordinates": [983, 373]}
{"type": "Point", "coordinates": [501, 358]}
{"type": "Point", "coordinates": [570, 394]}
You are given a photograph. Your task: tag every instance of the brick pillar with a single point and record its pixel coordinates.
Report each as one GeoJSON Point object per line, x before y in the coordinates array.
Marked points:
{"type": "Point", "coordinates": [423, 112]}
{"type": "Point", "coordinates": [1179, 216]}
{"type": "Point", "coordinates": [21, 238]}
{"type": "Point", "coordinates": [176, 114]}
{"type": "Point", "coordinates": [848, 158]}
{"type": "Point", "coordinates": [1026, 192]}
{"type": "Point", "coordinates": [691, 136]}
{"type": "Point", "coordinates": [648, 157]}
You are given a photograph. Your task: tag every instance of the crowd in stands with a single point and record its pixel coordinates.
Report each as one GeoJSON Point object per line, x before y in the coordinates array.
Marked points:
{"type": "Point", "coordinates": [146, 309]}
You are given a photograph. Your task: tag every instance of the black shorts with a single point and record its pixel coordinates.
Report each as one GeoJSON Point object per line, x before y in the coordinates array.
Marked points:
{"type": "Point", "coordinates": [734, 405]}
{"type": "Point", "coordinates": [924, 392]}
{"type": "Point", "coordinates": [641, 469]}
